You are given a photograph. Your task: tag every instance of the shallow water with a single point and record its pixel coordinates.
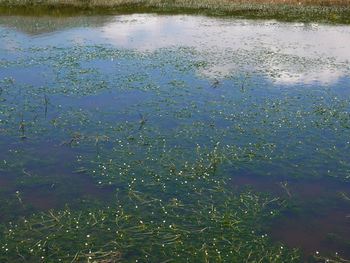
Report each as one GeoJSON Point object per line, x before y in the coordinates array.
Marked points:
{"type": "Point", "coordinates": [89, 105]}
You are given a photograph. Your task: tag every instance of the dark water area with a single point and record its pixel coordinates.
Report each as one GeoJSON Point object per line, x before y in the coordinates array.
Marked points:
{"type": "Point", "coordinates": [149, 112]}
{"type": "Point", "coordinates": [317, 219]}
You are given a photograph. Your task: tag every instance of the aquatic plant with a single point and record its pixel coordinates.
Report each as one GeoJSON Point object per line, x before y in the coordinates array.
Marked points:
{"type": "Point", "coordinates": [165, 144]}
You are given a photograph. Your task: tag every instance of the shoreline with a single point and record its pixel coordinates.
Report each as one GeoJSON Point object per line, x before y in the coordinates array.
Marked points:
{"type": "Point", "coordinates": [323, 11]}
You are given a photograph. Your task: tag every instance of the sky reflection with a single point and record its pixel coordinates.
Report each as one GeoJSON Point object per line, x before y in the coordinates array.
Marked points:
{"type": "Point", "coordinates": [289, 53]}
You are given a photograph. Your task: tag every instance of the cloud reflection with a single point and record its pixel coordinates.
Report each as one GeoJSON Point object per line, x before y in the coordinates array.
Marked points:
{"type": "Point", "coordinates": [289, 52]}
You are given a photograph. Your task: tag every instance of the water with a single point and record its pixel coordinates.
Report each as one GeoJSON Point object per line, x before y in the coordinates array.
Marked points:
{"type": "Point", "coordinates": [103, 110]}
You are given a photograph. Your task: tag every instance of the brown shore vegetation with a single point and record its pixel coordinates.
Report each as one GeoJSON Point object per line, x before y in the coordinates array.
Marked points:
{"type": "Point", "coordinates": [323, 11]}
{"type": "Point", "coordinates": [194, 3]}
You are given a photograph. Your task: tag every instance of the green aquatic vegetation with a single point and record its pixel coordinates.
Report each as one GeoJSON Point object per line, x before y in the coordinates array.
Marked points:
{"type": "Point", "coordinates": [146, 229]}
{"type": "Point", "coordinates": [170, 148]}
{"type": "Point", "coordinates": [22, 129]}
{"type": "Point", "coordinates": [46, 103]}
{"type": "Point", "coordinates": [12, 208]}
{"type": "Point", "coordinates": [332, 259]}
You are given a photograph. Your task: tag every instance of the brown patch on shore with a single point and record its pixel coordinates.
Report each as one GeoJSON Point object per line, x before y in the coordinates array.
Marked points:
{"type": "Point", "coordinates": [154, 3]}
{"type": "Point", "coordinates": [298, 2]}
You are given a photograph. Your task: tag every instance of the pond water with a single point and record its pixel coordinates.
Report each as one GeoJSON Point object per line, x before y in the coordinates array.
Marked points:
{"type": "Point", "coordinates": [149, 138]}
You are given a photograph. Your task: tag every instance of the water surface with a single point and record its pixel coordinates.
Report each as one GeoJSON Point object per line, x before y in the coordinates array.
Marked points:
{"type": "Point", "coordinates": [95, 109]}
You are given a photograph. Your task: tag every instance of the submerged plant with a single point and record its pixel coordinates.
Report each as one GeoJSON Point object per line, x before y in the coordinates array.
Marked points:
{"type": "Point", "coordinates": [161, 188]}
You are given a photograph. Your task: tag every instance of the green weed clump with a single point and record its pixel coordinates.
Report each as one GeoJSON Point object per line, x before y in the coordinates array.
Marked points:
{"type": "Point", "coordinates": [198, 227]}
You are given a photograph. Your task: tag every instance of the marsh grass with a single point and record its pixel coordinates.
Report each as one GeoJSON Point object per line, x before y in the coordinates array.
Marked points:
{"type": "Point", "coordinates": [328, 11]}
{"type": "Point", "coordinates": [188, 3]}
